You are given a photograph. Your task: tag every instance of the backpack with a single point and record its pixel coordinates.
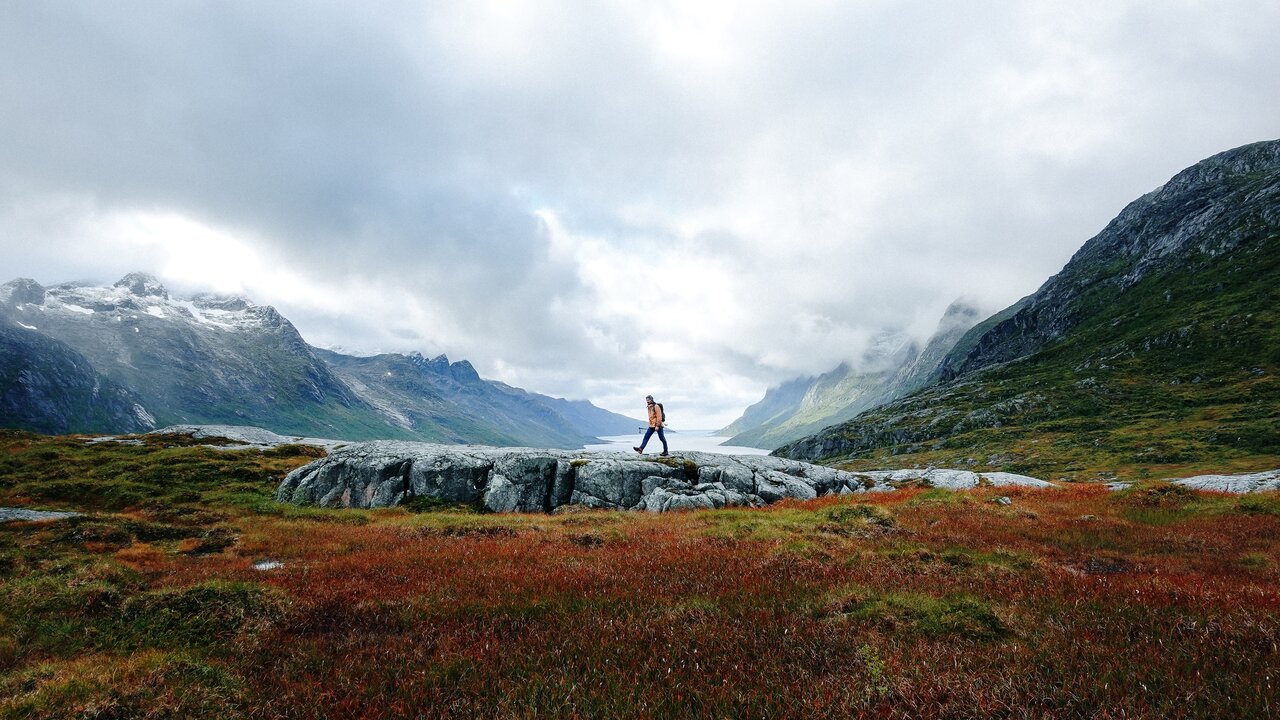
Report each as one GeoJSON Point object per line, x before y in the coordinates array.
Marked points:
{"type": "Point", "coordinates": [661, 412]}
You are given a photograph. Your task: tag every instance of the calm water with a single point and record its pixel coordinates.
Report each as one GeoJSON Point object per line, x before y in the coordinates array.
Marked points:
{"type": "Point", "coordinates": [700, 440]}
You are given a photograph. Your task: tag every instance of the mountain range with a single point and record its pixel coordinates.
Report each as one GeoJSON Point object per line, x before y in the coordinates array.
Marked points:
{"type": "Point", "coordinates": [129, 357]}
{"type": "Point", "coordinates": [893, 366]}
{"type": "Point", "coordinates": [1155, 348]}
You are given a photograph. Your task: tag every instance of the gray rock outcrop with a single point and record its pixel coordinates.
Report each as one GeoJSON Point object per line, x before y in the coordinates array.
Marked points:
{"type": "Point", "coordinates": [387, 473]}
{"type": "Point", "coordinates": [246, 436]}
{"type": "Point", "coordinates": [956, 479]}
{"type": "Point", "coordinates": [1268, 481]}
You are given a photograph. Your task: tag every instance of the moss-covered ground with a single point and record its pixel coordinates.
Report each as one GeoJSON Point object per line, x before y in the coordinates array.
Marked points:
{"type": "Point", "coordinates": [1074, 602]}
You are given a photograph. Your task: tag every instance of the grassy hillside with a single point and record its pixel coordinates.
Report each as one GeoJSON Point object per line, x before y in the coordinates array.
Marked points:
{"type": "Point", "coordinates": [1174, 374]}
{"type": "Point", "coordinates": [1068, 603]}
{"type": "Point", "coordinates": [893, 367]}
{"type": "Point", "coordinates": [830, 398]}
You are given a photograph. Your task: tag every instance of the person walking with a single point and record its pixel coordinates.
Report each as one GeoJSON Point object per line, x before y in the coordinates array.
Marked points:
{"type": "Point", "coordinates": [657, 419]}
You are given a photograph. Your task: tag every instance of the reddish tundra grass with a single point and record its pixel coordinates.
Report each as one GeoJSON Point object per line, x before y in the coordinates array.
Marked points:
{"type": "Point", "coordinates": [1074, 602]}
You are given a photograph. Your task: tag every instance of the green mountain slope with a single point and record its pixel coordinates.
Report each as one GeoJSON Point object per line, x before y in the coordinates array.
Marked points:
{"type": "Point", "coordinates": [1154, 350]}
{"type": "Point", "coordinates": [894, 366]}
{"type": "Point", "coordinates": [834, 396]}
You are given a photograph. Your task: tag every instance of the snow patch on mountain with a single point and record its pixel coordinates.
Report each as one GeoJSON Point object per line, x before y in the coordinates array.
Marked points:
{"type": "Point", "coordinates": [138, 295]}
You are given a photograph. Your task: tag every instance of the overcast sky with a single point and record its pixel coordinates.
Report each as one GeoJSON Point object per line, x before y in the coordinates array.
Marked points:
{"type": "Point", "coordinates": [602, 200]}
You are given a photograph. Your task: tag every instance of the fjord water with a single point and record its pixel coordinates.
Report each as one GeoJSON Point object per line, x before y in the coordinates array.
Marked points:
{"type": "Point", "coordinates": [687, 440]}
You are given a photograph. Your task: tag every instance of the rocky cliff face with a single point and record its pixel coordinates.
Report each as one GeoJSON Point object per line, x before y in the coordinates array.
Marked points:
{"type": "Point", "coordinates": [48, 387]}
{"type": "Point", "coordinates": [960, 317]}
{"type": "Point", "coordinates": [1157, 343]}
{"type": "Point", "coordinates": [1204, 212]}
{"type": "Point", "coordinates": [891, 368]}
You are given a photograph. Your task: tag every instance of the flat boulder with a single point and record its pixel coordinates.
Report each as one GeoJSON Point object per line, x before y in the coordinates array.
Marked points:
{"type": "Point", "coordinates": [954, 479]}
{"type": "Point", "coordinates": [246, 437]}
{"type": "Point", "coordinates": [1267, 481]}
{"type": "Point", "coordinates": [388, 473]}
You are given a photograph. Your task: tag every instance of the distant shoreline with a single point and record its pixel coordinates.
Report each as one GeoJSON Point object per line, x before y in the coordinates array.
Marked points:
{"type": "Point", "coordinates": [687, 440]}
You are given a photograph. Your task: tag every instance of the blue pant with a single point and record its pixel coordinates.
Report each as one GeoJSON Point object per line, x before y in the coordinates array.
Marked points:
{"type": "Point", "coordinates": [649, 433]}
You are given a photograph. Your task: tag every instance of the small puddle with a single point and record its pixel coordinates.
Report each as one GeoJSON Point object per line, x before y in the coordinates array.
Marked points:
{"type": "Point", "coordinates": [265, 565]}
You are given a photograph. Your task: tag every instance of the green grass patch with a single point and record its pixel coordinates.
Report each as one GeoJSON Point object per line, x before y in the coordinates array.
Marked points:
{"type": "Point", "coordinates": [1260, 504]}
{"type": "Point", "coordinates": [940, 497]}
{"type": "Point", "coordinates": [1167, 504]}
{"type": "Point", "coordinates": [151, 684]}
{"type": "Point", "coordinates": [69, 473]}
{"type": "Point", "coordinates": [799, 528]}
{"type": "Point", "coordinates": [857, 520]}
{"type": "Point", "coordinates": [201, 614]}
{"type": "Point", "coordinates": [955, 615]}
{"type": "Point", "coordinates": [958, 557]}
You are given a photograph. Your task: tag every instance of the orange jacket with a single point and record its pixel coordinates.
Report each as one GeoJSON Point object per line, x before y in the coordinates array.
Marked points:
{"type": "Point", "coordinates": [655, 416]}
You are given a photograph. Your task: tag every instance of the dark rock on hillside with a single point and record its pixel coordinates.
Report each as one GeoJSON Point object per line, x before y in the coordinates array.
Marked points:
{"type": "Point", "coordinates": [142, 285]}
{"type": "Point", "coordinates": [23, 291]}
{"type": "Point", "coordinates": [1206, 211]}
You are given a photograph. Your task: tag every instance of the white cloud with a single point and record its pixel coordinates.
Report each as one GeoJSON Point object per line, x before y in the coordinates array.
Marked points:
{"type": "Point", "coordinates": [695, 200]}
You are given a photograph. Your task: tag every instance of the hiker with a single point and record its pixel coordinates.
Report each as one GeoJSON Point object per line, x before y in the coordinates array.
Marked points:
{"type": "Point", "coordinates": [657, 416]}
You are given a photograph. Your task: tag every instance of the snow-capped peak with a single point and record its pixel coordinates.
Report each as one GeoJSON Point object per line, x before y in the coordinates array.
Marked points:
{"type": "Point", "coordinates": [135, 297]}
{"type": "Point", "coordinates": [142, 285]}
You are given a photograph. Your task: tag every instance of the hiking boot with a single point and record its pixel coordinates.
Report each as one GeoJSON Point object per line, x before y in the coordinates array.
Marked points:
{"type": "Point", "coordinates": [664, 453]}
{"type": "Point", "coordinates": [639, 450]}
